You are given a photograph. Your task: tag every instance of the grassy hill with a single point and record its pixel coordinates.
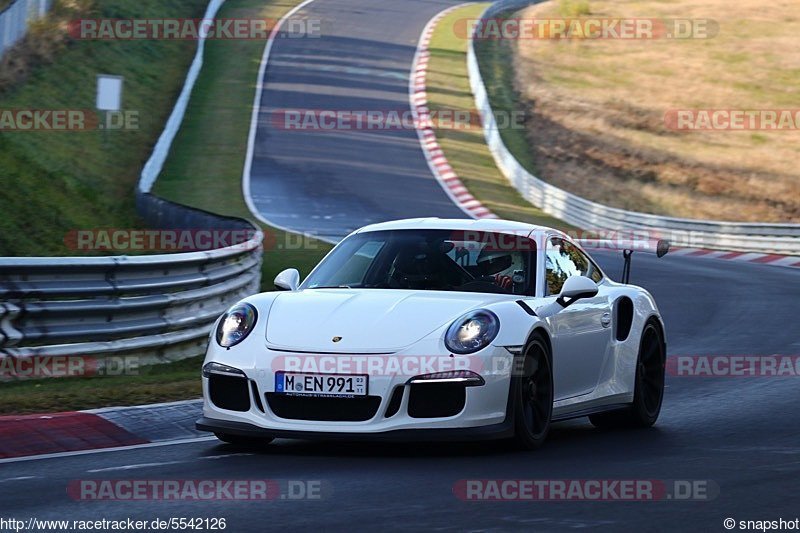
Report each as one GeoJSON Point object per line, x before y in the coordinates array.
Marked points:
{"type": "Point", "coordinates": [55, 181]}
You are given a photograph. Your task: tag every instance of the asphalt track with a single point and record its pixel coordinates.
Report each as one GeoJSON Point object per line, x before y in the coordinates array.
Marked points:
{"type": "Point", "coordinates": [331, 182]}
{"type": "Point", "coordinates": [740, 434]}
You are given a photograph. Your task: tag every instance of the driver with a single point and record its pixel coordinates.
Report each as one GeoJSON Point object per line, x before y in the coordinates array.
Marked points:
{"type": "Point", "coordinates": [512, 278]}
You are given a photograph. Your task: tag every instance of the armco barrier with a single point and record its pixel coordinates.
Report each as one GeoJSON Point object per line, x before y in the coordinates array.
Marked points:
{"type": "Point", "coordinates": [747, 237]}
{"type": "Point", "coordinates": [156, 307]}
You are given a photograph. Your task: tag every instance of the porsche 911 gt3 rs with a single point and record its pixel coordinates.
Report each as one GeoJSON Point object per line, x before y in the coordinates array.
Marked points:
{"type": "Point", "coordinates": [431, 329]}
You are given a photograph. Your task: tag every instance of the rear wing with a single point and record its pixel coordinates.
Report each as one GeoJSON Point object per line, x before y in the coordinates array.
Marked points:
{"type": "Point", "coordinates": [659, 247]}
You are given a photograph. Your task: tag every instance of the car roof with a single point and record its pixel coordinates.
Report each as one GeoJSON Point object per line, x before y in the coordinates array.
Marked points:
{"type": "Point", "coordinates": [464, 224]}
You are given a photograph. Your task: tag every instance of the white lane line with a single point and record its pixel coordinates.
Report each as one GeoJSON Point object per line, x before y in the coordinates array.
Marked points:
{"type": "Point", "coordinates": [18, 478]}
{"type": "Point", "coordinates": [102, 410]}
{"type": "Point", "coordinates": [138, 466]}
{"type": "Point", "coordinates": [212, 457]}
{"type": "Point", "coordinates": [251, 137]}
{"type": "Point", "coordinates": [133, 466]}
{"type": "Point", "coordinates": [105, 450]}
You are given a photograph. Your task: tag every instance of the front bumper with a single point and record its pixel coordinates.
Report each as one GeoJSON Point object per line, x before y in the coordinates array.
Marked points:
{"type": "Point", "coordinates": [483, 416]}
{"type": "Point", "coordinates": [501, 430]}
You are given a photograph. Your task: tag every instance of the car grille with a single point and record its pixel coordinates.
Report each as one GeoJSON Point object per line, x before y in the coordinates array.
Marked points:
{"type": "Point", "coordinates": [323, 409]}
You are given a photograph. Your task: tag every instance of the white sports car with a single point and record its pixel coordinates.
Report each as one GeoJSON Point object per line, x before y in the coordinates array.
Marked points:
{"type": "Point", "coordinates": [432, 329]}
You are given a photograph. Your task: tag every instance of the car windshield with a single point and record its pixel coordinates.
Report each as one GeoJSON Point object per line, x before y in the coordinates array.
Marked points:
{"type": "Point", "coordinates": [436, 260]}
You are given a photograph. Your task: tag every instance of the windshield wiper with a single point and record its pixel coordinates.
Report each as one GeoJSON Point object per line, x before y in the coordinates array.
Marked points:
{"type": "Point", "coordinates": [332, 287]}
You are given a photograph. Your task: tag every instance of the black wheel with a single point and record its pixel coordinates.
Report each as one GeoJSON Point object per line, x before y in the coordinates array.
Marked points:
{"type": "Point", "coordinates": [532, 392]}
{"type": "Point", "coordinates": [252, 442]}
{"type": "Point", "coordinates": [649, 386]}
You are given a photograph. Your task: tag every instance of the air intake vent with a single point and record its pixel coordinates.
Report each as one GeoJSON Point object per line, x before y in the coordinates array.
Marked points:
{"type": "Point", "coordinates": [394, 403]}
{"type": "Point", "coordinates": [624, 318]}
{"type": "Point", "coordinates": [229, 392]}
{"type": "Point", "coordinates": [436, 400]}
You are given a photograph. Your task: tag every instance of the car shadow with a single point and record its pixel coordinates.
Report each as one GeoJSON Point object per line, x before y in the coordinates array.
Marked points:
{"type": "Point", "coordinates": [570, 437]}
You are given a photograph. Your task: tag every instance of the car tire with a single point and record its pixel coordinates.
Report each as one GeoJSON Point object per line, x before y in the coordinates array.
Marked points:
{"type": "Point", "coordinates": [239, 440]}
{"type": "Point", "coordinates": [532, 393]}
{"type": "Point", "coordinates": [649, 386]}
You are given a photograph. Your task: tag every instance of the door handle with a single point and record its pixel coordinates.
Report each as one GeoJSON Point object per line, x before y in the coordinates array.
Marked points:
{"type": "Point", "coordinates": [605, 320]}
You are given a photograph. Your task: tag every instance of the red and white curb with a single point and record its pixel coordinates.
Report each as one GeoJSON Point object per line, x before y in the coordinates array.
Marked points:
{"type": "Point", "coordinates": [744, 257]}
{"type": "Point", "coordinates": [437, 161]}
{"type": "Point", "coordinates": [25, 436]}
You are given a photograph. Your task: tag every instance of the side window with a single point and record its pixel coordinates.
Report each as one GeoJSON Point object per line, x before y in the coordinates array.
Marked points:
{"type": "Point", "coordinates": [595, 273]}
{"type": "Point", "coordinates": [563, 260]}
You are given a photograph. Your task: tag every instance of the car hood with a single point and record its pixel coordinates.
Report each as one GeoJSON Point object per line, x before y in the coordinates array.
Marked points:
{"type": "Point", "coordinates": [367, 320]}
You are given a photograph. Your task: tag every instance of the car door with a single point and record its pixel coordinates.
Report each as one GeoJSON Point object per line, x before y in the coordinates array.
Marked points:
{"type": "Point", "coordinates": [582, 331]}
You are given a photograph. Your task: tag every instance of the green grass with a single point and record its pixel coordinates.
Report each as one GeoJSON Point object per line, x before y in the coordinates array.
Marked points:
{"type": "Point", "coordinates": [157, 383]}
{"type": "Point", "coordinates": [466, 150]}
{"type": "Point", "coordinates": [57, 181]}
{"type": "Point", "coordinates": [497, 70]}
{"type": "Point", "coordinates": [204, 168]}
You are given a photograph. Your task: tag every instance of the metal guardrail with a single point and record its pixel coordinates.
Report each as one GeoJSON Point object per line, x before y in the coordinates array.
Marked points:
{"type": "Point", "coordinates": [14, 20]}
{"type": "Point", "coordinates": [157, 307]}
{"type": "Point", "coordinates": [747, 237]}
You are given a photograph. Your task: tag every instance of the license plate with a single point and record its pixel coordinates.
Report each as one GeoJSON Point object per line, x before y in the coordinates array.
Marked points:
{"type": "Point", "coordinates": [345, 385]}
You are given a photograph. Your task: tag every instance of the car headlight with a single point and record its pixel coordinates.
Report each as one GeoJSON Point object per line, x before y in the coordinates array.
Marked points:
{"type": "Point", "coordinates": [236, 324]}
{"type": "Point", "coordinates": [472, 332]}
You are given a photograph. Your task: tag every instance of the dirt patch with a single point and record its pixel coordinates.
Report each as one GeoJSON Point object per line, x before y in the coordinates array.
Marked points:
{"type": "Point", "coordinates": [596, 112]}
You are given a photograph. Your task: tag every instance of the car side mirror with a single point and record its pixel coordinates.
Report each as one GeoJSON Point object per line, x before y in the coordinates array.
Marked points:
{"type": "Point", "coordinates": [288, 280]}
{"type": "Point", "coordinates": [575, 288]}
